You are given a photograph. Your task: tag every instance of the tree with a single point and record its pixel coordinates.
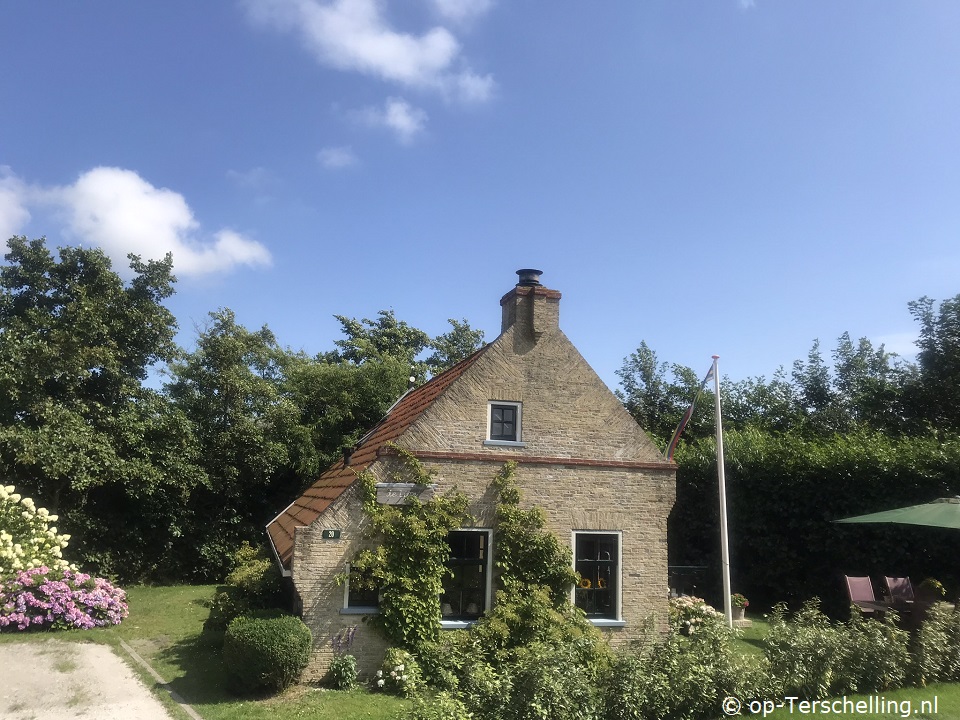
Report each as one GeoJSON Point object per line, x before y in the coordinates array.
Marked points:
{"type": "Point", "coordinates": [254, 448]}
{"type": "Point", "coordinates": [368, 340]}
{"type": "Point", "coordinates": [78, 432]}
{"type": "Point", "coordinates": [451, 347]}
{"type": "Point", "coordinates": [935, 391]}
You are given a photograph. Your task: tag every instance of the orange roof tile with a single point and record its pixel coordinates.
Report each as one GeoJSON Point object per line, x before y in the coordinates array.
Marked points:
{"type": "Point", "coordinates": [339, 476]}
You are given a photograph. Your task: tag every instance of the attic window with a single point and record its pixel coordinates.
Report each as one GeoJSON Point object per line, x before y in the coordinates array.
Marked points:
{"type": "Point", "coordinates": [504, 423]}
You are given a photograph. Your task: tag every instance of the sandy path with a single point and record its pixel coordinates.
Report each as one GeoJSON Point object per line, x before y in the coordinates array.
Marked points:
{"type": "Point", "coordinates": [71, 681]}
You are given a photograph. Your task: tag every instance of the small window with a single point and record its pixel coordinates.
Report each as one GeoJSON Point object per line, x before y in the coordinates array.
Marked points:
{"type": "Point", "coordinates": [361, 592]}
{"type": "Point", "coordinates": [597, 561]}
{"type": "Point", "coordinates": [504, 422]}
{"type": "Point", "coordinates": [466, 589]}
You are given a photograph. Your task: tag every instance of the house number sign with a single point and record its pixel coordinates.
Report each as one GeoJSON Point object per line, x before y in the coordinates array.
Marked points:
{"type": "Point", "coordinates": [331, 535]}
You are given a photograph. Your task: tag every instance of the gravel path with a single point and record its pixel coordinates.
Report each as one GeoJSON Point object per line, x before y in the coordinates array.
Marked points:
{"type": "Point", "coordinates": [71, 681]}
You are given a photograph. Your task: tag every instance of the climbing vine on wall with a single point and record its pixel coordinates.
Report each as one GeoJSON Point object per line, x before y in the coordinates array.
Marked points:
{"type": "Point", "coordinates": [409, 565]}
{"type": "Point", "coordinates": [528, 556]}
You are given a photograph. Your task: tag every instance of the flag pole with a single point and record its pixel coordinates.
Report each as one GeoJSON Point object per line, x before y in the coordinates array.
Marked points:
{"type": "Point", "coordinates": [724, 545]}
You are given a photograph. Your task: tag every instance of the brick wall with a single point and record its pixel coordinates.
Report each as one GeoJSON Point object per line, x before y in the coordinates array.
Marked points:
{"type": "Point", "coordinates": [615, 480]}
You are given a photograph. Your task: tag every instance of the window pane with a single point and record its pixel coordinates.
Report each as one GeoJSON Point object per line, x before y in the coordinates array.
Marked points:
{"type": "Point", "coordinates": [503, 422]}
{"type": "Point", "coordinates": [363, 591]}
{"type": "Point", "coordinates": [596, 562]}
{"type": "Point", "coordinates": [465, 588]}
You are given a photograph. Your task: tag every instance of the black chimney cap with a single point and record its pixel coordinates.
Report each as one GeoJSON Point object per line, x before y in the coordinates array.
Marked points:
{"type": "Point", "coordinates": [528, 276]}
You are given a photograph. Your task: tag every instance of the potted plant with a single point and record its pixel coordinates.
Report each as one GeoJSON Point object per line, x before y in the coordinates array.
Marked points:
{"type": "Point", "coordinates": [740, 604]}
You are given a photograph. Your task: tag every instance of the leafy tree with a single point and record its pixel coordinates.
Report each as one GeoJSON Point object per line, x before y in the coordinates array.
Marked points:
{"type": "Point", "coordinates": [254, 447]}
{"type": "Point", "coordinates": [77, 430]}
{"type": "Point", "coordinates": [339, 401]}
{"type": "Point", "coordinates": [371, 340]}
{"type": "Point", "coordinates": [934, 394]}
{"type": "Point", "coordinates": [452, 347]}
{"type": "Point", "coordinates": [657, 394]}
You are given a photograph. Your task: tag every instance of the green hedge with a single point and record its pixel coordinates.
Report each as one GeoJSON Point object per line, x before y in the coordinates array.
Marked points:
{"type": "Point", "coordinates": [266, 653]}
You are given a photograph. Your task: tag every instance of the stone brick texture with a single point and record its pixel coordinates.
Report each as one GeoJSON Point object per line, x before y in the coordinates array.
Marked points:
{"type": "Point", "coordinates": [614, 477]}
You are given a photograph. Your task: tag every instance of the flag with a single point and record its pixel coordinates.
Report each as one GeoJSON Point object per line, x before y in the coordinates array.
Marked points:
{"type": "Point", "coordinates": [675, 440]}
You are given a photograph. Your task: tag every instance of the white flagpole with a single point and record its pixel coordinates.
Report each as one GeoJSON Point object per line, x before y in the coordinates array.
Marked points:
{"type": "Point", "coordinates": [724, 545]}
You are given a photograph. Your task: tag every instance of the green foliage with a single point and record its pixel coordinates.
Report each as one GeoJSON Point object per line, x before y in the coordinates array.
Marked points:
{"type": "Point", "coordinates": [783, 494]}
{"type": "Point", "coordinates": [399, 674]}
{"type": "Point", "coordinates": [452, 347]}
{"type": "Point", "coordinates": [254, 583]}
{"type": "Point", "coordinates": [77, 429]}
{"type": "Point", "coordinates": [342, 674]}
{"type": "Point", "coordinates": [812, 657]}
{"type": "Point", "coordinates": [682, 677]}
{"type": "Point", "coordinates": [254, 447]}
{"type": "Point", "coordinates": [410, 563]}
{"type": "Point", "coordinates": [27, 539]}
{"type": "Point", "coordinates": [550, 682]}
{"type": "Point", "coordinates": [936, 647]}
{"type": "Point", "coordinates": [439, 706]}
{"type": "Point", "coordinates": [527, 555]}
{"type": "Point", "coordinates": [265, 653]}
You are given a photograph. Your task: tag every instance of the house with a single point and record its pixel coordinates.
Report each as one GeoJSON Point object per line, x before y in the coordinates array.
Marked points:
{"type": "Point", "coordinates": [528, 396]}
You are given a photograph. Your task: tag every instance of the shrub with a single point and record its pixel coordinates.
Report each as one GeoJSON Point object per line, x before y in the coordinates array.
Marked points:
{"type": "Point", "coordinates": [266, 653]}
{"type": "Point", "coordinates": [442, 706]}
{"type": "Point", "coordinates": [936, 647]}
{"type": "Point", "coordinates": [254, 583]}
{"type": "Point", "coordinates": [688, 613]}
{"type": "Point", "coordinates": [43, 598]}
{"type": "Point", "coordinates": [811, 657]}
{"type": "Point", "coordinates": [549, 683]}
{"type": "Point", "coordinates": [399, 674]}
{"type": "Point", "coordinates": [342, 674]}
{"type": "Point", "coordinates": [682, 676]}
{"type": "Point", "coordinates": [26, 538]}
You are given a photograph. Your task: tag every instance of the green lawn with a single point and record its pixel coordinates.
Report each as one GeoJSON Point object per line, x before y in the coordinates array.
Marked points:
{"type": "Point", "coordinates": [166, 628]}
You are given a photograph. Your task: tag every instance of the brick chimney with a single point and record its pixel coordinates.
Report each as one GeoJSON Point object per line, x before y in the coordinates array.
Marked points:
{"type": "Point", "coordinates": [530, 306]}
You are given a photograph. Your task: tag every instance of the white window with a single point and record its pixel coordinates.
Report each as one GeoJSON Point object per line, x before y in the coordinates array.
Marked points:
{"type": "Point", "coordinates": [597, 558]}
{"type": "Point", "coordinates": [466, 588]}
{"type": "Point", "coordinates": [504, 423]}
{"type": "Point", "coordinates": [360, 594]}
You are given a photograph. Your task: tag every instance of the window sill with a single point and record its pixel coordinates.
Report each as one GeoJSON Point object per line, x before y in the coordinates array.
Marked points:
{"type": "Point", "coordinates": [360, 611]}
{"type": "Point", "coordinates": [600, 622]}
{"type": "Point", "coordinates": [456, 624]}
{"type": "Point", "coordinates": [504, 443]}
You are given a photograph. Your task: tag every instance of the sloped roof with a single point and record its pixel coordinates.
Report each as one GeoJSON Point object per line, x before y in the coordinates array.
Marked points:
{"type": "Point", "coordinates": [339, 476]}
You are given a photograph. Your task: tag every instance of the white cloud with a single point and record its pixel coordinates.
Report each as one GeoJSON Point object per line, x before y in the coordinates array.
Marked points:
{"type": "Point", "coordinates": [462, 10]}
{"type": "Point", "coordinates": [337, 157]}
{"type": "Point", "coordinates": [13, 204]}
{"type": "Point", "coordinates": [122, 213]}
{"type": "Point", "coordinates": [353, 35]}
{"type": "Point", "coordinates": [405, 120]}
{"type": "Point", "coordinates": [746, 4]}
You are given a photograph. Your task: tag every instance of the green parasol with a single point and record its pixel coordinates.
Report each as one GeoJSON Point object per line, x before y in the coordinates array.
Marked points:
{"type": "Point", "coordinates": [943, 512]}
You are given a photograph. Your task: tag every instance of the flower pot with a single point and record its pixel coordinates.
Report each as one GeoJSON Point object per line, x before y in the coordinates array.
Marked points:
{"type": "Point", "coordinates": [738, 613]}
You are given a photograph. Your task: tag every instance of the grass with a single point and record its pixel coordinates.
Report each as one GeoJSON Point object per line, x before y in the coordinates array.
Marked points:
{"type": "Point", "coordinates": [165, 627]}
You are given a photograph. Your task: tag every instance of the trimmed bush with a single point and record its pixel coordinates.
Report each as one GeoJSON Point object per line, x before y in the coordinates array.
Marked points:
{"type": "Point", "coordinates": [254, 583]}
{"type": "Point", "coordinates": [266, 653]}
{"type": "Point", "coordinates": [41, 599]}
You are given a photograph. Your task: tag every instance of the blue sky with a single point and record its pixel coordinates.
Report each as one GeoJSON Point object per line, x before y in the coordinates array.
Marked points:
{"type": "Point", "coordinates": [727, 177]}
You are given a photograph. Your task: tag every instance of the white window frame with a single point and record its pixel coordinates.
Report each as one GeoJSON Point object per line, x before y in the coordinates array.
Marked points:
{"type": "Point", "coordinates": [505, 443]}
{"type": "Point", "coordinates": [356, 609]}
{"type": "Point", "coordinates": [487, 591]}
{"type": "Point", "coordinates": [617, 620]}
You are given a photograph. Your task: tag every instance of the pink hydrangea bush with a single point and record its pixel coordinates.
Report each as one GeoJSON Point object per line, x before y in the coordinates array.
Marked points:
{"type": "Point", "coordinates": [44, 598]}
